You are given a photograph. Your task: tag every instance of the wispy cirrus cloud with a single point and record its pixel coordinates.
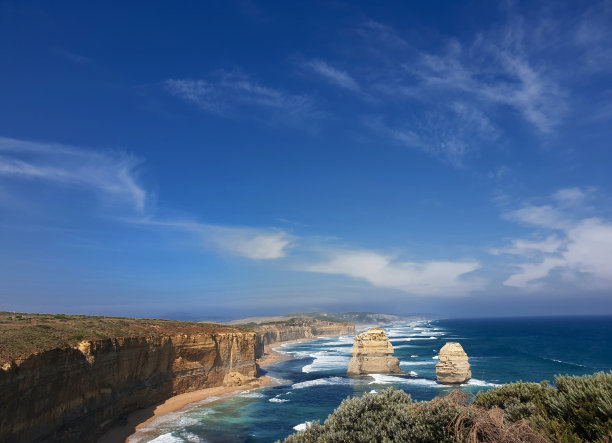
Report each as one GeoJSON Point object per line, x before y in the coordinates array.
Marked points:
{"type": "Point", "coordinates": [333, 75]}
{"type": "Point", "coordinates": [112, 175]}
{"type": "Point", "coordinates": [497, 69]}
{"type": "Point", "coordinates": [247, 242]}
{"type": "Point", "coordinates": [449, 133]}
{"type": "Point", "coordinates": [574, 245]}
{"type": "Point", "coordinates": [229, 92]}
{"type": "Point", "coordinates": [439, 278]}
{"type": "Point", "coordinates": [592, 35]}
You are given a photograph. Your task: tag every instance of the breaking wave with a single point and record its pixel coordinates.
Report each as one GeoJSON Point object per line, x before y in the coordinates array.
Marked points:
{"type": "Point", "coordinates": [329, 381]}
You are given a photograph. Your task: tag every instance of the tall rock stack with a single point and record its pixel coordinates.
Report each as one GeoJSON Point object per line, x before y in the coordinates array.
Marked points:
{"type": "Point", "coordinates": [373, 354]}
{"type": "Point", "coordinates": [453, 368]}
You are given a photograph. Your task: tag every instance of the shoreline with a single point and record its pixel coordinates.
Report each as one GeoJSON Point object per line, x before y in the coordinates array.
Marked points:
{"type": "Point", "coordinates": [272, 356]}
{"type": "Point", "coordinates": [139, 419]}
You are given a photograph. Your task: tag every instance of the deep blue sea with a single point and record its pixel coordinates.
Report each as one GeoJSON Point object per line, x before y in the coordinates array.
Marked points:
{"type": "Point", "coordinates": [315, 381]}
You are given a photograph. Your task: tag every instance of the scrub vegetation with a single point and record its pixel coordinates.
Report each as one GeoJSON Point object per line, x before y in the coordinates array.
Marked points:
{"type": "Point", "coordinates": [24, 334]}
{"type": "Point", "coordinates": [573, 409]}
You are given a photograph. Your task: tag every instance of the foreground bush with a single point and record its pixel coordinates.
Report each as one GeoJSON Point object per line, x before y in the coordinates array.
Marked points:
{"type": "Point", "coordinates": [577, 409]}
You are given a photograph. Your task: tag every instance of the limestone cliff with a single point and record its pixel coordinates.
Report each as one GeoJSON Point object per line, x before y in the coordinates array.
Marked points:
{"type": "Point", "coordinates": [75, 393]}
{"type": "Point", "coordinates": [373, 354]}
{"type": "Point", "coordinates": [301, 328]}
{"type": "Point", "coordinates": [453, 367]}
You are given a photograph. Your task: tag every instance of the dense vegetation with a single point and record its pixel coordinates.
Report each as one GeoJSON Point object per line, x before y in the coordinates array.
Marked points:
{"type": "Point", "coordinates": [24, 334]}
{"type": "Point", "coordinates": [575, 409]}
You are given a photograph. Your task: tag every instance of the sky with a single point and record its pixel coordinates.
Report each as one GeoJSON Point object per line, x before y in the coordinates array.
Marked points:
{"type": "Point", "coordinates": [235, 158]}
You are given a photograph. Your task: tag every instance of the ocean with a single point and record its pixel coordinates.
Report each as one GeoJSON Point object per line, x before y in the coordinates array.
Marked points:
{"type": "Point", "coordinates": [315, 381]}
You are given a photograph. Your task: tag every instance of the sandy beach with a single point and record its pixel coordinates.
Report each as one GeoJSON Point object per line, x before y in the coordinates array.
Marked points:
{"type": "Point", "coordinates": [272, 356]}
{"type": "Point", "coordinates": [139, 419]}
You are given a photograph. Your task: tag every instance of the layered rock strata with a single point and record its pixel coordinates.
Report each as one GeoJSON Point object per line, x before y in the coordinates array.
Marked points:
{"type": "Point", "coordinates": [373, 354]}
{"type": "Point", "coordinates": [453, 367]}
{"type": "Point", "coordinates": [275, 333]}
{"type": "Point", "coordinates": [75, 394]}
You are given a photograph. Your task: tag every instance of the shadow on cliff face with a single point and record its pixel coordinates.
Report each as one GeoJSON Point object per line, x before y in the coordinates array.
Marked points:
{"type": "Point", "coordinates": [75, 394]}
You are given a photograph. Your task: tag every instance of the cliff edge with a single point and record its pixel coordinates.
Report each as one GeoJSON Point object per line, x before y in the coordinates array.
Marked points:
{"type": "Point", "coordinates": [70, 379]}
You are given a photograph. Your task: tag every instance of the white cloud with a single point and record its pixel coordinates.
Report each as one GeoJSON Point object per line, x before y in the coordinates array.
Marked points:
{"type": "Point", "coordinates": [443, 278]}
{"type": "Point", "coordinates": [251, 243]}
{"type": "Point", "coordinates": [572, 196]}
{"type": "Point", "coordinates": [581, 251]}
{"type": "Point", "coordinates": [498, 70]}
{"type": "Point", "coordinates": [527, 248]}
{"type": "Point", "coordinates": [545, 216]}
{"type": "Point", "coordinates": [448, 133]}
{"type": "Point", "coordinates": [333, 75]}
{"type": "Point", "coordinates": [592, 34]}
{"type": "Point", "coordinates": [530, 273]}
{"type": "Point", "coordinates": [110, 174]}
{"type": "Point", "coordinates": [229, 91]}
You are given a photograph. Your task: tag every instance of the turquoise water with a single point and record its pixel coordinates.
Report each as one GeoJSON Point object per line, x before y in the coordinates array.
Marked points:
{"type": "Point", "coordinates": [315, 382]}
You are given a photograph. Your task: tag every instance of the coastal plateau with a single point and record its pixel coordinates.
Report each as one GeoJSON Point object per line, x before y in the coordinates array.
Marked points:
{"type": "Point", "coordinates": [71, 378]}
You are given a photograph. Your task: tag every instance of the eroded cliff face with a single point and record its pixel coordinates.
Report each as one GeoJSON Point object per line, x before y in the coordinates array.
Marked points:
{"type": "Point", "coordinates": [75, 394]}
{"type": "Point", "coordinates": [274, 333]}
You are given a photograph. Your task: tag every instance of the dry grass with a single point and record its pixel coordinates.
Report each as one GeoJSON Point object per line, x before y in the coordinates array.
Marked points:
{"type": "Point", "coordinates": [476, 425]}
{"type": "Point", "coordinates": [24, 334]}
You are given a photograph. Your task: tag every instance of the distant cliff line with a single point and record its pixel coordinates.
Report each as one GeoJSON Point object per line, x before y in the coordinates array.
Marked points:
{"type": "Point", "coordinates": [71, 378]}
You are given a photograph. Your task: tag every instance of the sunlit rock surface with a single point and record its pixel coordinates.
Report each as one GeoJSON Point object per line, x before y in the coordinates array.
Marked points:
{"type": "Point", "coordinates": [373, 354]}
{"type": "Point", "coordinates": [453, 367]}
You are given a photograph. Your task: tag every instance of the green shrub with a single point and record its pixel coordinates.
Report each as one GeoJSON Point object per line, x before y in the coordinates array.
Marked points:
{"type": "Point", "coordinates": [385, 417]}
{"type": "Point", "coordinates": [574, 409]}
{"type": "Point", "coordinates": [518, 400]}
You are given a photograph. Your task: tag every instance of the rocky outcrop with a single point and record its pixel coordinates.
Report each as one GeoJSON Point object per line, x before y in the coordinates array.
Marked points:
{"type": "Point", "coordinates": [299, 329]}
{"type": "Point", "coordinates": [373, 354]}
{"type": "Point", "coordinates": [75, 394]}
{"type": "Point", "coordinates": [453, 367]}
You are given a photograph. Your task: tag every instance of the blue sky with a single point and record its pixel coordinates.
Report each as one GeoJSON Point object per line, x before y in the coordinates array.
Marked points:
{"type": "Point", "coordinates": [247, 158]}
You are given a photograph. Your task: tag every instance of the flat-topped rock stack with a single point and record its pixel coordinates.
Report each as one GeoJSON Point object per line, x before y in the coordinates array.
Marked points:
{"type": "Point", "coordinates": [453, 368]}
{"type": "Point", "coordinates": [373, 354]}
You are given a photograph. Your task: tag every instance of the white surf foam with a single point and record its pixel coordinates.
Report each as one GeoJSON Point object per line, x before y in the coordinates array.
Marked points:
{"type": "Point", "coordinates": [325, 361]}
{"type": "Point", "coordinates": [192, 438]}
{"type": "Point", "coordinates": [565, 362]}
{"type": "Point", "coordinates": [383, 379]}
{"type": "Point", "coordinates": [476, 382]}
{"type": "Point", "coordinates": [167, 438]}
{"type": "Point", "coordinates": [302, 426]}
{"type": "Point", "coordinates": [278, 400]}
{"type": "Point", "coordinates": [321, 382]}
{"type": "Point", "coordinates": [252, 395]}
{"type": "Point", "coordinates": [343, 340]}
{"type": "Point", "coordinates": [417, 363]}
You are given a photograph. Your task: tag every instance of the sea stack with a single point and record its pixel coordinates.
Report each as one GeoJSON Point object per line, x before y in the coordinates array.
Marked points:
{"type": "Point", "coordinates": [373, 354]}
{"type": "Point", "coordinates": [454, 367]}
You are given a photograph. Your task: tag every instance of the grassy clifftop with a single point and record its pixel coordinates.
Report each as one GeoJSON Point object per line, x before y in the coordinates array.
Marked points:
{"type": "Point", "coordinates": [25, 334]}
{"type": "Point", "coordinates": [296, 319]}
